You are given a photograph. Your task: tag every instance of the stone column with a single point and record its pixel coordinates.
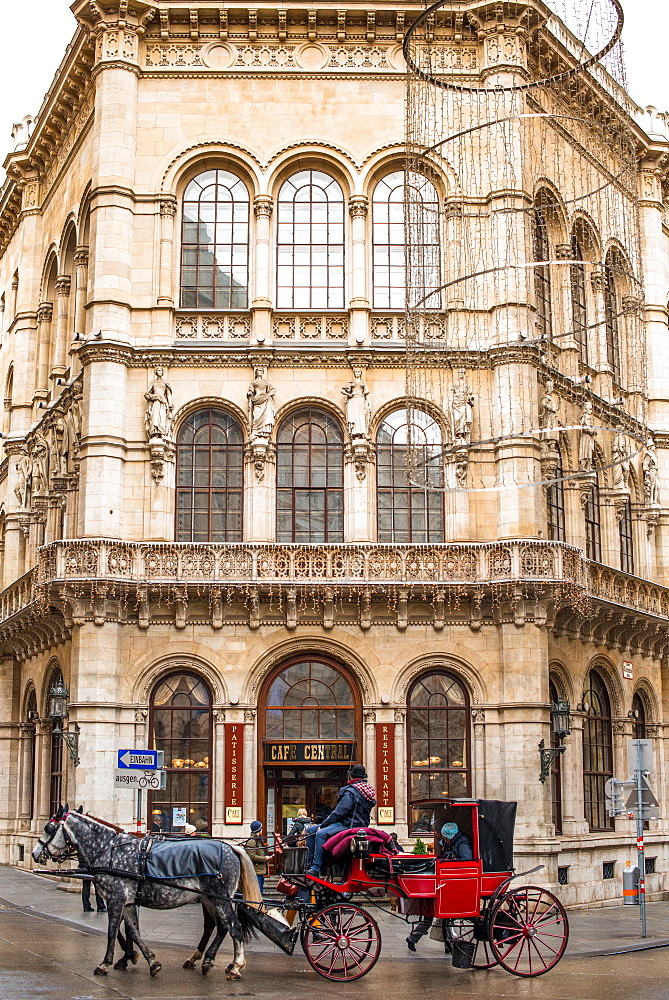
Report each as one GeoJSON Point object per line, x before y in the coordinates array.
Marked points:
{"type": "Point", "coordinates": [25, 295]}
{"type": "Point", "coordinates": [359, 301]}
{"type": "Point", "coordinates": [604, 386]}
{"type": "Point", "coordinates": [81, 289]}
{"type": "Point", "coordinates": [261, 302]}
{"type": "Point", "coordinates": [568, 348]}
{"type": "Point", "coordinates": [59, 355]}
{"type": "Point", "coordinates": [168, 211]}
{"type": "Point", "coordinates": [44, 323]}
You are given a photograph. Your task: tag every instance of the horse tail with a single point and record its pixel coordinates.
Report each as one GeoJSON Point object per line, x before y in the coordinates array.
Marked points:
{"type": "Point", "coordinates": [248, 883]}
{"type": "Point", "coordinates": [248, 929]}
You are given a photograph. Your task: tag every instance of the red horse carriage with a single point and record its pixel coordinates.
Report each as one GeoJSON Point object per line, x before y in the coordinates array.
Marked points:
{"type": "Point", "coordinates": [485, 920]}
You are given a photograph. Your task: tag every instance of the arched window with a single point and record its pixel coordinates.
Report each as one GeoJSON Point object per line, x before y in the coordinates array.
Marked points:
{"type": "Point", "coordinates": [615, 269]}
{"type": "Point", "coordinates": [555, 504]}
{"type": "Point", "coordinates": [388, 238]}
{"type": "Point", "coordinates": [310, 700]}
{"type": "Point", "coordinates": [597, 751]}
{"type": "Point", "coordinates": [593, 535]}
{"type": "Point", "coordinates": [626, 539]}
{"type": "Point", "coordinates": [407, 511]}
{"type": "Point", "coordinates": [556, 769]}
{"type": "Point", "coordinates": [639, 714]}
{"type": "Point", "coordinates": [215, 242]}
{"type": "Point", "coordinates": [30, 755]}
{"type": "Point", "coordinates": [210, 468]}
{"type": "Point", "coordinates": [55, 756]}
{"type": "Point", "coordinates": [181, 726]}
{"type": "Point", "coordinates": [439, 739]}
{"type": "Point", "coordinates": [310, 478]}
{"type": "Point", "coordinates": [310, 242]}
{"type": "Point", "coordinates": [579, 302]}
{"type": "Point", "coordinates": [542, 276]}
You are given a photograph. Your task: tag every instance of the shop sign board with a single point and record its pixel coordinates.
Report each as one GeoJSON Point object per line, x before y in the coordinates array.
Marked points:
{"type": "Point", "coordinates": [233, 770]}
{"type": "Point", "coordinates": [342, 752]}
{"type": "Point", "coordinates": [385, 773]}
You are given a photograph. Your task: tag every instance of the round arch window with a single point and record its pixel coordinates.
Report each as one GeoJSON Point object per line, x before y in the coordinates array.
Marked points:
{"type": "Point", "coordinates": [310, 700]}
{"type": "Point", "coordinates": [181, 726]}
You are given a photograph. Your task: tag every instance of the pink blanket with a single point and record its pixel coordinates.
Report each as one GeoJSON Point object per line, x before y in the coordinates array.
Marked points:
{"type": "Point", "coordinates": [338, 843]}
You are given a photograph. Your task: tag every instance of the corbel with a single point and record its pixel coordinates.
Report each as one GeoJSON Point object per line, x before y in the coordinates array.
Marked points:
{"type": "Point", "coordinates": [283, 17]}
{"type": "Point", "coordinates": [194, 25]}
{"type": "Point", "coordinates": [164, 24]}
{"type": "Point", "coordinates": [371, 25]}
{"type": "Point", "coordinates": [341, 25]}
{"type": "Point", "coordinates": [253, 25]}
{"type": "Point", "coordinates": [223, 22]}
{"type": "Point", "coordinates": [399, 26]}
{"type": "Point", "coordinates": [311, 30]}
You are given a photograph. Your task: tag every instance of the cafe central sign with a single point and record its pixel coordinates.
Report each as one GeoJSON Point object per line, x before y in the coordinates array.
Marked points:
{"type": "Point", "coordinates": [309, 753]}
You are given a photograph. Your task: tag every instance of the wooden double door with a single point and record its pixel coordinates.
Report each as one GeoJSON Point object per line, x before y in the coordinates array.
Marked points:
{"type": "Point", "coordinates": [314, 790]}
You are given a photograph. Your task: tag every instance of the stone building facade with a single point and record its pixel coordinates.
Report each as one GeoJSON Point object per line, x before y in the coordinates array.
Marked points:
{"type": "Point", "coordinates": [207, 531]}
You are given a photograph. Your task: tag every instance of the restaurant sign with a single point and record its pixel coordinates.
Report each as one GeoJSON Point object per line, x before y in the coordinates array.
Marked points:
{"type": "Point", "coordinates": [309, 753]}
{"type": "Point", "coordinates": [385, 773]}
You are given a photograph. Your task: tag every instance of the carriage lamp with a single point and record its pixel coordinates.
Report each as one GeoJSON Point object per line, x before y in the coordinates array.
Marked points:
{"type": "Point", "coordinates": [58, 696]}
{"type": "Point", "coordinates": [560, 727]}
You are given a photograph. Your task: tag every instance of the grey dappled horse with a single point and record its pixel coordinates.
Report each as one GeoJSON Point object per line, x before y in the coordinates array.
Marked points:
{"type": "Point", "coordinates": [100, 847]}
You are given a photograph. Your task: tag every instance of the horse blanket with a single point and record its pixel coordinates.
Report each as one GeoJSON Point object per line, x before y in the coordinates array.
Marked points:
{"type": "Point", "coordinates": [184, 858]}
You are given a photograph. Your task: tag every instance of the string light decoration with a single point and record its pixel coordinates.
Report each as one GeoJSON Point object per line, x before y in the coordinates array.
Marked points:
{"type": "Point", "coordinates": [526, 327]}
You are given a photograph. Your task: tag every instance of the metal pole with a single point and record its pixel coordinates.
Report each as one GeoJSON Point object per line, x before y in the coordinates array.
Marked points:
{"type": "Point", "coordinates": [639, 839]}
{"type": "Point", "coordinates": [139, 813]}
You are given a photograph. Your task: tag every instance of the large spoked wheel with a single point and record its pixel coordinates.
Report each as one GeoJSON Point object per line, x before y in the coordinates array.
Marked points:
{"type": "Point", "coordinates": [528, 931]}
{"type": "Point", "coordinates": [341, 942]}
{"type": "Point", "coordinates": [468, 930]}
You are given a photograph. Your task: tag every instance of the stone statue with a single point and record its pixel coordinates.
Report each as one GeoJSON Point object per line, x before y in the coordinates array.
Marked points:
{"type": "Point", "coordinates": [358, 412]}
{"type": "Point", "coordinates": [57, 460]}
{"type": "Point", "coordinates": [548, 408]}
{"type": "Point", "coordinates": [586, 441]}
{"type": "Point", "coordinates": [462, 412]}
{"type": "Point", "coordinates": [23, 474]}
{"type": "Point", "coordinates": [159, 407]}
{"type": "Point", "coordinates": [651, 476]}
{"type": "Point", "coordinates": [261, 405]}
{"type": "Point", "coordinates": [39, 462]}
{"type": "Point", "coordinates": [620, 469]}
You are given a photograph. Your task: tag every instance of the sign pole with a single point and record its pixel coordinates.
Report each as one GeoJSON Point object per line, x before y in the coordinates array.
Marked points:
{"type": "Point", "coordinates": [641, 860]}
{"type": "Point", "coordinates": [139, 812]}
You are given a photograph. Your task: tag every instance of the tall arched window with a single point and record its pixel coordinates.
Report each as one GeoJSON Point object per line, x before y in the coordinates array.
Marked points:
{"type": "Point", "coordinates": [579, 301]}
{"type": "Point", "coordinates": [555, 504]}
{"type": "Point", "coordinates": [639, 714]}
{"type": "Point", "coordinates": [31, 748]}
{"type": "Point", "coordinates": [181, 726]}
{"type": "Point", "coordinates": [310, 242]}
{"type": "Point", "coordinates": [615, 269]}
{"type": "Point", "coordinates": [556, 769]}
{"type": "Point", "coordinates": [215, 242]}
{"type": "Point", "coordinates": [408, 511]}
{"type": "Point", "coordinates": [597, 751]}
{"type": "Point", "coordinates": [439, 739]}
{"type": "Point", "coordinates": [310, 478]}
{"type": "Point", "coordinates": [388, 238]}
{"type": "Point", "coordinates": [210, 468]}
{"type": "Point", "coordinates": [542, 276]}
{"type": "Point", "coordinates": [55, 756]}
{"type": "Point", "coordinates": [593, 534]}
{"type": "Point", "coordinates": [310, 700]}
{"type": "Point", "coordinates": [626, 539]}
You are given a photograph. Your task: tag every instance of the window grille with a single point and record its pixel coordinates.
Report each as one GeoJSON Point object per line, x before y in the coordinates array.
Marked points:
{"type": "Point", "coordinates": [608, 869]}
{"type": "Point", "coordinates": [563, 875]}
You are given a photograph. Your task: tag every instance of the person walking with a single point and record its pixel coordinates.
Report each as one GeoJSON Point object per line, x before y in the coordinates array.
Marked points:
{"type": "Point", "coordinates": [86, 897]}
{"type": "Point", "coordinates": [256, 848]}
{"type": "Point", "coordinates": [298, 828]}
{"type": "Point", "coordinates": [355, 802]}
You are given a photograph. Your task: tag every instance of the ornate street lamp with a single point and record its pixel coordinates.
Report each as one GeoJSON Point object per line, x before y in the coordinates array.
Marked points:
{"type": "Point", "coordinates": [58, 696]}
{"type": "Point", "coordinates": [560, 726]}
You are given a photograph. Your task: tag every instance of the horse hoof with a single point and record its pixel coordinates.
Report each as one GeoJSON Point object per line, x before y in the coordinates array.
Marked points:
{"type": "Point", "coordinates": [135, 957]}
{"type": "Point", "coordinates": [189, 964]}
{"type": "Point", "coordinates": [122, 964]}
{"type": "Point", "coordinates": [233, 975]}
{"type": "Point", "coordinates": [101, 971]}
{"type": "Point", "coordinates": [155, 968]}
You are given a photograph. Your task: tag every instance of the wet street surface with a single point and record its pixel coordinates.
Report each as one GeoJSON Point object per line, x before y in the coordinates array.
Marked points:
{"type": "Point", "coordinates": [42, 958]}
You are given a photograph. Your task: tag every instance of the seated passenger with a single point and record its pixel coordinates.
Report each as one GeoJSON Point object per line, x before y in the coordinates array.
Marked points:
{"type": "Point", "coordinates": [298, 828]}
{"type": "Point", "coordinates": [457, 845]}
{"type": "Point", "coordinates": [354, 805]}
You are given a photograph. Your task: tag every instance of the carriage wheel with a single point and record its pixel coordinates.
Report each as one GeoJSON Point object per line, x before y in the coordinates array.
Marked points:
{"type": "Point", "coordinates": [341, 942]}
{"type": "Point", "coordinates": [463, 929]}
{"type": "Point", "coordinates": [528, 931]}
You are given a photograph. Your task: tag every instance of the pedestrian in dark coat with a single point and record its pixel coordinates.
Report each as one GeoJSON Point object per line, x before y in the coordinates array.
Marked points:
{"type": "Point", "coordinates": [355, 802]}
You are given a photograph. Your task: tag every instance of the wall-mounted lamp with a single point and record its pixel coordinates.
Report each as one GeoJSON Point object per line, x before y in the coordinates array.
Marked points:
{"type": "Point", "coordinates": [58, 696]}
{"type": "Point", "coordinates": [560, 726]}
{"type": "Point", "coordinates": [633, 714]}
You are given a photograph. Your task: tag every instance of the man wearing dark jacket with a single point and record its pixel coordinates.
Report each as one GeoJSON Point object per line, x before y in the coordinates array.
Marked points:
{"type": "Point", "coordinates": [355, 802]}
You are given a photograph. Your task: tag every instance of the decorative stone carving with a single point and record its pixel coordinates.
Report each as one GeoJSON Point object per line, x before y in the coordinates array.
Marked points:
{"type": "Point", "coordinates": [159, 408]}
{"type": "Point", "coordinates": [39, 457]}
{"type": "Point", "coordinates": [358, 412]}
{"type": "Point", "coordinates": [548, 408]}
{"type": "Point", "coordinates": [620, 469]}
{"type": "Point", "coordinates": [461, 411]}
{"type": "Point", "coordinates": [23, 474]}
{"type": "Point", "coordinates": [651, 477]}
{"type": "Point", "coordinates": [586, 441]}
{"type": "Point", "coordinates": [262, 415]}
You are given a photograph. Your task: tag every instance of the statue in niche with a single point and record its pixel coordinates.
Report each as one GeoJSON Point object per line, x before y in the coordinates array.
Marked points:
{"type": "Point", "coordinates": [548, 408]}
{"type": "Point", "coordinates": [23, 475]}
{"type": "Point", "coordinates": [159, 407]}
{"type": "Point", "coordinates": [586, 441]}
{"type": "Point", "coordinates": [39, 465]}
{"type": "Point", "coordinates": [651, 475]}
{"type": "Point", "coordinates": [261, 405]}
{"type": "Point", "coordinates": [358, 412]}
{"type": "Point", "coordinates": [620, 469]}
{"type": "Point", "coordinates": [57, 460]}
{"type": "Point", "coordinates": [462, 412]}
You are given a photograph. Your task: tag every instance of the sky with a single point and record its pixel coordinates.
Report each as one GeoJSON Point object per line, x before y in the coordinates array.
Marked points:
{"type": "Point", "coordinates": [26, 72]}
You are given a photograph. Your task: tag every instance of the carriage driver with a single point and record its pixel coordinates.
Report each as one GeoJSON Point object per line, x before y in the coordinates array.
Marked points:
{"type": "Point", "coordinates": [355, 802]}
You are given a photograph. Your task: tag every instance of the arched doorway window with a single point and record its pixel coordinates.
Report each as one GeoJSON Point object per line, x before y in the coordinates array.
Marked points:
{"type": "Point", "coordinates": [210, 472]}
{"type": "Point", "coordinates": [639, 714]}
{"type": "Point", "coordinates": [31, 748]}
{"type": "Point", "coordinates": [310, 242]}
{"type": "Point", "coordinates": [555, 503]}
{"type": "Point", "coordinates": [406, 512]}
{"type": "Point", "coordinates": [55, 756]}
{"type": "Point", "coordinates": [310, 478]}
{"type": "Point", "coordinates": [439, 737]}
{"type": "Point", "coordinates": [181, 726]}
{"type": "Point", "coordinates": [310, 732]}
{"type": "Point", "coordinates": [542, 275]}
{"type": "Point", "coordinates": [215, 242]}
{"type": "Point", "coordinates": [597, 751]}
{"type": "Point", "coordinates": [556, 769]}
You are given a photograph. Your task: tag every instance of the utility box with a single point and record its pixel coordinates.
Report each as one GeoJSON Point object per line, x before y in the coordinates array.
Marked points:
{"type": "Point", "coordinates": [630, 885]}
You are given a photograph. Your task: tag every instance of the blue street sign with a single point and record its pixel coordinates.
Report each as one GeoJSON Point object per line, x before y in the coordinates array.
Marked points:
{"type": "Point", "coordinates": [140, 760]}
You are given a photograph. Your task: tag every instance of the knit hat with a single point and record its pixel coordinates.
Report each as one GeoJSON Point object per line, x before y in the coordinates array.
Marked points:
{"type": "Point", "coordinates": [188, 829]}
{"type": "Point", "coordinates": [357, 771]}
{"type": "Point", "coordinates": [256, 826]}
{"type": "Point", "coordinates": [449, 830]}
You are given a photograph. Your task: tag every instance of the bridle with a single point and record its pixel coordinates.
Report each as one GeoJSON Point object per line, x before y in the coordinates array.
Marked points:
{"type": "Point", "coordinates": [56, 823]}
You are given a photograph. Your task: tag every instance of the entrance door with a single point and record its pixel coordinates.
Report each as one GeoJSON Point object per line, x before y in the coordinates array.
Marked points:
{"type": "Point", "coordinates": [301, 789]}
